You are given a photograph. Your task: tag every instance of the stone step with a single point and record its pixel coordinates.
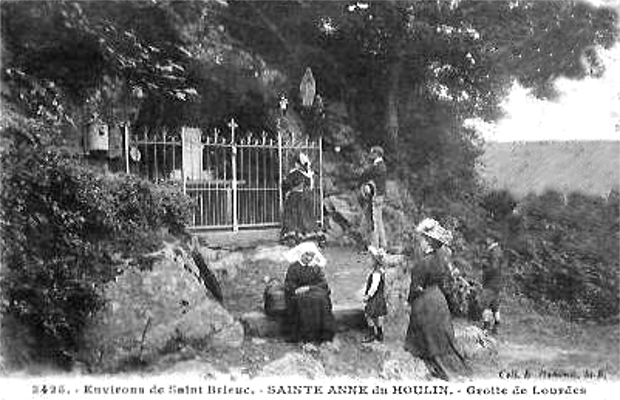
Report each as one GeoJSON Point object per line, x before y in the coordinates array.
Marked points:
{"type": "Point", "coordinates": [258, 324]}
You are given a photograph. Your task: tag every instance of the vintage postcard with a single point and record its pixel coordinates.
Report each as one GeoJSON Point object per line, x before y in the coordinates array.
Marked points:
{"type": "Point", "coordinates": [235, 198]}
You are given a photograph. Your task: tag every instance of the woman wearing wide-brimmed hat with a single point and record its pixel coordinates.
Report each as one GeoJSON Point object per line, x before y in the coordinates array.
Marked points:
{"type": "Point", "coordinates": [298, 221]}
{"type": "Point", "coordinates": [430, 334]}
{"type": "Point", "coordinates": [307, 294]}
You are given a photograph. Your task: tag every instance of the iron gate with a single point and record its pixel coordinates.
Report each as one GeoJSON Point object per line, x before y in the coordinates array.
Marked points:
{"type": "Point", "coordinates": [235, 180]}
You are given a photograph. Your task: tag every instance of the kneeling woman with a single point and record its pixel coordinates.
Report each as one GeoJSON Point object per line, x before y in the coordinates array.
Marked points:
{"type": "Point", "coordinates": [430, 335]}
{"type": "Point", "coordinates": [309, 307]}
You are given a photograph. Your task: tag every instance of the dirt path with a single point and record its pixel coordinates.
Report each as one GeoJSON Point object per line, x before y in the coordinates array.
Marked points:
{"type": "Point", "coordinates": [346, 273]}
{"type": "Point", "coordinates": [546, 343]}
{"type": "Point", "coordinates": [528, 340]}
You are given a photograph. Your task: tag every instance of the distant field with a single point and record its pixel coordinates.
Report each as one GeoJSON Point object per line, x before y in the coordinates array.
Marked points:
{"type": "Point", "coordinates": [590, 167]}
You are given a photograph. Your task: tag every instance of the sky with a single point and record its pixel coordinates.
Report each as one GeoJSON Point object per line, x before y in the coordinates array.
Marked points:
{"type": "Point", "coordinates": [587, 109]}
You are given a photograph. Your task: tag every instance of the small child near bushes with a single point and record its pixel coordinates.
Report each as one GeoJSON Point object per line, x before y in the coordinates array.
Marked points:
{"type": "Point", "coordinates": [374, 297]}
{"type": "Point", "coordinates": [492, 286]}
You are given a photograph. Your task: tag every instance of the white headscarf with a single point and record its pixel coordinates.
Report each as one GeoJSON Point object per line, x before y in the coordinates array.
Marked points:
{"type": "Point", "coordinates": [378, 254]}
{"type": "Point", "coordinates": [431, 228]}
{"type": "Point", "coordinates": [294, 254]}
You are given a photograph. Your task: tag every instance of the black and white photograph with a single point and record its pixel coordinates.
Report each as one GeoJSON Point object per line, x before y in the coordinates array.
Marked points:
{"type": "Point", "coordinates": [315, 198]}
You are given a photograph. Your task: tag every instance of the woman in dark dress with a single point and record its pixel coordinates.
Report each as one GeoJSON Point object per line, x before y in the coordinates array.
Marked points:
{"type": "Point", "coordinates": [309, 307]}
{"type": "Point", "coordinates": [430, 335]}
{"type": "Point", "coordinates": [298, 222]}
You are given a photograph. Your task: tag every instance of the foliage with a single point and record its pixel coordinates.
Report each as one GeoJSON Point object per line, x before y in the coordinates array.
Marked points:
{"type": "Point", "coordinates": [66, 231]}
{"type": "Point", "coordinates": [560, 251]}
{"type": "Point", "coordinates": [466, 53]}
{"type": "Point", "coordinates": [151, 63]}
{"type": "Point", "coordinates": [567, 253]}
{"type": "Point", "coordinates": [410, 72]}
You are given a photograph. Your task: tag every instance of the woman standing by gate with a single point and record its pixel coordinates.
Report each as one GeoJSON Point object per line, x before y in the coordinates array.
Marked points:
{"type": "Point", "coordinates": [298, 222]}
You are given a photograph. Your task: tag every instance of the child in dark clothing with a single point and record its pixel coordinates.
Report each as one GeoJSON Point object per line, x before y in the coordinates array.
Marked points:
{"type": "Point", "coordinates": [492, 286]}
{"type": "Point", "coordinates": [374, 297]}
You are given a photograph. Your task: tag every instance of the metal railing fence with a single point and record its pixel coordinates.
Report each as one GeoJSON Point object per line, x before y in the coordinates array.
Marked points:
{"type": "Point", "coordinates": [235, 180]}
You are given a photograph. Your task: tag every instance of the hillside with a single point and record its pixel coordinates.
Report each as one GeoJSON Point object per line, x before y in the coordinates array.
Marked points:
{"type": "Point", "coordinates": [590, 167]}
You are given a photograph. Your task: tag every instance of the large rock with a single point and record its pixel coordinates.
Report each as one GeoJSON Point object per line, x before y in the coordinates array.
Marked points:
{"type": "Point", "coordinates": [346, 207]}
{"type": "Point", "coordinates": [401, 365]}
{"type": "Point", "coordinates": [210, 255]}
{"type": "Point", "coordinates": [226, 268]}
{"type": "Point", "coordinates": [294, 365]}
{"type": "Point", "coordinates": [257, 324]}
{"type": "Point", "coordinates": [147, 310]}
{"type": "Point", "coordinates": [397, 289]}
{"type": "Point", "coordinates": [474, 343]}
{"type": "Point", "coordinates": [335, 233]}
{"type": "Point", "coordinates": [344, 219]}
{"type": "Point", "coordinates": [273, 254]}
{"type": "Point", "coordinates": [199, 367]}
{"type": "Point", "coordinates": [18, 344]}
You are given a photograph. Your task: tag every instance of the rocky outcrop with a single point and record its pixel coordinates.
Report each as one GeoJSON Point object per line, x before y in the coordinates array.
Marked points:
{"type": "Point", "coordinates": [227, 266]}
{"type": "Point", "coordinates": [294, 365]}
{"type": "Point", "coordinates": [474, 343]}
{"type": "Point", "coordinates": [343, 219]}
{"type": "Point", "coordinates": [257, 324]}
{"type": "Point", "coordinates": [397, 289]}
{"type": "Point", "coordinates": [272, 254]}
{"type": "Point", "coordinates": [147, 310]}
{"type": "Point", "coordinates": [401, 365]}
{"type": "Point", "coordinates": [17, 344]}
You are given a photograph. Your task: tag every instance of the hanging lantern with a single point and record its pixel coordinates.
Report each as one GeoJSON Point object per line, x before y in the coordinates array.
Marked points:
{"type": "Point", "coordinates": [135, 154]}
{"type": "Point", "coordinates": [307, 88]}
{"type": "Point", "coordinates": [98, 137]}
{"type": "Point", "coordinates": [283, 102]}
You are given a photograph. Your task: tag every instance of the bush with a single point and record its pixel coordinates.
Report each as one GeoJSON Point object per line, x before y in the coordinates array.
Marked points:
{"type": "Point", "coordinates": [65, 232]}
{"type": "Point", "coordinates": [567, 254]}
{"type": "Point", "coordinates": [561, 251]}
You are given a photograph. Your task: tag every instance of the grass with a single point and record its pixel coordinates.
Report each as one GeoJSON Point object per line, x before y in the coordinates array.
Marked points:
{"type": "Point", "coordinates": [589, 167]}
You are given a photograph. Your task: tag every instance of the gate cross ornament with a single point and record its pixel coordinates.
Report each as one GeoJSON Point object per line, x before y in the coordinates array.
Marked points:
{"type": "Point", "coordinates": [233, 125]}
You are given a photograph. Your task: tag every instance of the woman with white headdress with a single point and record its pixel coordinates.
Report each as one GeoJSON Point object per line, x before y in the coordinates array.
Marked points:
{"type": "Point", "coordinates": [430, 334]}
{"type": "Point", "coordinates": [309, 307]}
{"type": "Point", "coordinates": [299, 222]}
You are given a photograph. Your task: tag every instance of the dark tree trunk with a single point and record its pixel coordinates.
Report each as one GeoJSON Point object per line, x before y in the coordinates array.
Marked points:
{"type": "Point", "coordinates": [392, 123]}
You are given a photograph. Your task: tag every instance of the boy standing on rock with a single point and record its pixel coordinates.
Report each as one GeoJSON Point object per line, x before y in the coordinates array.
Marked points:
{"type": "Point", "coordinates": [375, 176]}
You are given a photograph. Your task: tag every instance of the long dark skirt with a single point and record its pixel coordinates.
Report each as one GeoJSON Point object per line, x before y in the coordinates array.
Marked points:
{"type": "Point", "coordinates": [298, 220]}
{"type": "Point", "coordinates": [430, 334]}
{"type": "Point", "coordinates": [376, 307]}
{"type": "Point", "coordinates": [311, 318]}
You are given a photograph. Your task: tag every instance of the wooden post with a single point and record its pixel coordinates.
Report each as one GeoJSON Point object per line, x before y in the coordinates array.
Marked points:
{"type": "Point", "coordinates": [183, 153]}
{"type": "Point", "coordinates": [321, 181]}
{"type": "Point", "coordinates": [126, 145]}
{"type": "Point", "coordinates": [280, 172]}
{"type": "Point", "coordinates": [233, 125]}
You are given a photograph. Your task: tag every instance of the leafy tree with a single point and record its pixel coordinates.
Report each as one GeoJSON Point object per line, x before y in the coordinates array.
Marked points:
{"type": "Point", "coordinates": [410, 72]}
{"type": "Point", "coordinates": [150, 62]}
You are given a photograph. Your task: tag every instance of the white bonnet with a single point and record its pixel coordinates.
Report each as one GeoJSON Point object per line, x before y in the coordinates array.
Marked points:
{"type": "Point", "coordinates": [296, 252]}
{"type": "Point", "coordinates": [431, 228]}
